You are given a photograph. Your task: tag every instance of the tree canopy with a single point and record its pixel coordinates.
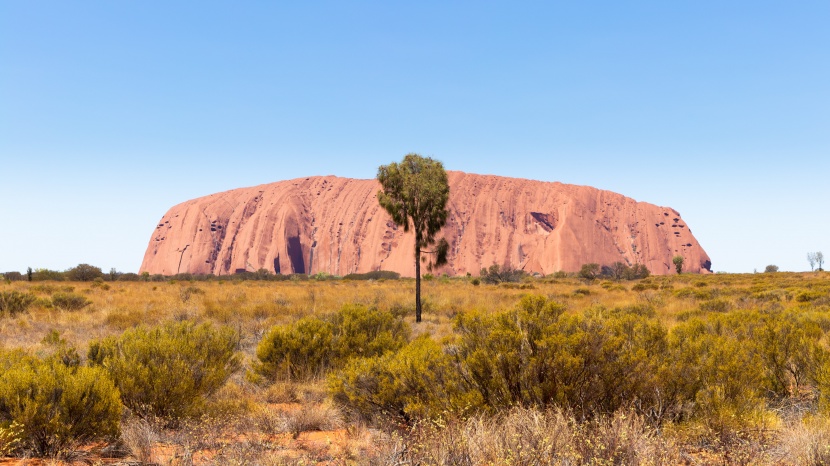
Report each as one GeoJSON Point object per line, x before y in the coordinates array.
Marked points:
{"type": "Point", "coordinates": [415, 193]}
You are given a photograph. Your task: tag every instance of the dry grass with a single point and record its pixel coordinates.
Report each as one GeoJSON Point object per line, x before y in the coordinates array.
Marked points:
{"type": "Point", "coordinates": [277, 424]}
{"type": "Point", "coordinates": [533, 437]}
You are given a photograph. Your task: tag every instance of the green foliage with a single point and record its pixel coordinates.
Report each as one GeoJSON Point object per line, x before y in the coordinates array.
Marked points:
{"type": "Point", "coordinates": [70, 301]}
{"type": "Point", "coordinates": [12, 276]}
{"type": "Point", "coordinates": [46, 274]}
{"type": "Point", "coordinates": [11, 438]}
{"type": "Point", "coordinates": [620, 271]}
{"type": "Point", "coordinates": [58, 407]}
{"type": "Point", "coordinates": [537, 355]}
{"type": "Point", "coordinates": [168, 371]}
{"type": "Point", "coordinates": [725, 365]}
{"type": "Point", "coordinates": [374, 275]}
{"type": "Point", "coordinates": [709, 370]}
{"type": "Point", "coordinates": [589, 271]}
{"type": "Point", "coordinates": [84, 273]}
{"type": "Point", "coordinates": [771, 269]}
{"type": "Point", "coordinates": [496, 274]}
{"type": "Point", "coordinates": [415, 193]}
{"type": "Point", "coordinates": [419, 381]}
{"type": "Point", "coordinates": [15, 302]}
{"type": "Point", "coordinates": [297, 351]}
{"type": "Point", "coordinates": [533, 355]}
{"type": "Point", "coordinates": [364, 332]}
{"type": "Point", "coordinates": [312, 346]}
{"type": "Point", "coordinates": [678, 263]}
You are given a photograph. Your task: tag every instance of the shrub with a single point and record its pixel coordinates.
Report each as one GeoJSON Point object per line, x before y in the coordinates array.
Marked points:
{"type": "Point", "coordinates": [46, 274]}
{"type": "Point", "coordinates": [13, 276]}
{"type": "Point", "coordinates": [364, 332]}
{"type": "Point", "coordinates": [84, 273]}
{"type": "Point", "coordinates": [70, 301]}
{"type": "Point", "coordinates": [419, 381]}
{"type": "Point", "coordinates": [58, 407]}
{"type": "Point", "coordinates": [169, 370]}
{"type": "Point", "coordinates": [15, 302]}
{"type": "Point", "coordinates": [374, 275]}
{"type": "Point", "coordinates": [620, 271]}
{"type": "Point", "coordinates": [128, 277]}
{"type": "Point", "coordinates": [11, 438]}
{"type": "Point", "coordinates": [312, 346]}
{"type": "Point", "coordinates": [711, 371]}
{"type": "Point", "coordinates": [295, 351]}
{"type": "Point", "coordinates": [536, 356]}
{"type": "Point", "coordinates": [589, 271]}
{"type": "Point", "coordinates": [771, 269]}
{"type": "Point", "coordinates": [496, 274]}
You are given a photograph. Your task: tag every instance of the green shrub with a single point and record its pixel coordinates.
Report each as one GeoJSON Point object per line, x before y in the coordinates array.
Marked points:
{"type": "Point", "coordinates": [537, 355]}
{"type": "Point", "coordinates": [70, 301]}
{"type": "Point", "coordinates": [712, 371]}
{"type": "Point", "coordinates": [364, 332]}
{"type": "Point", "coordinates": [715, 305]}
{"type": "Point", "coordinates": [59, 407]}
{"type": "Point", "coordinates": [312, 346]}
{"type": "Point", "coordinates": [589, 271]}
{"type": "Point", "coordinates": [620, 271]}
{"type": "Point", "coordinates": [807, 296]}
{"type": "Point", "coordinates": [419, 381]}
{"type": "Point", "coordinates": [15, 302]}
{"type": "Point", "coordinates": [374, 275]}
{"type": "Point", "coordinates": [46, 274]}
{"type": "Point", "coordinates": [84, 273]}
{"type": "Point", "coordinates": [496, 274]}
{"type": "Point", "coordinates": [168, 371]}
{"type": "Point", "coordinates": [296, 351]}
{"type": "Point", "coordinates": [534, 355]}
{"type": "Point", "coordinates": [11, 438]}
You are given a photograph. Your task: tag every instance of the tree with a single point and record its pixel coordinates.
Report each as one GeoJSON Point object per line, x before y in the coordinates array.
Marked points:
{"type": "Point", "coordinates": [84, 273]}
{"type": "Point", "coordinates": [811, 258]}
{"type": "Point", "coordinates": [415, 193]}
{"type": "Point", "coordinates": [819, 260]}
{"type": "Point", "coordinates": [29, 273]}
{"type": "Point", "coordinates": [771, 269]}
{"type": "Point", "coordinates": [678, 263]}
{"type": "Point", "coordinates": [589, 271]}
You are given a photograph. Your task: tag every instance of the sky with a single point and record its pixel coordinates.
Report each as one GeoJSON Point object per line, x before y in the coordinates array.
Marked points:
{"type": "Point", "coordinates": [111, 112]}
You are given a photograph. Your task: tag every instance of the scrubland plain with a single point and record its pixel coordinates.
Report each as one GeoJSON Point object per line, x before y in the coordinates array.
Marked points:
{"type": "Point", "coordinates": [683, 369]}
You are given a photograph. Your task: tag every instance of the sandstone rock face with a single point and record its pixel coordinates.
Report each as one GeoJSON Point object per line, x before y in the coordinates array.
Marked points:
{"type": "Point", "coordinates": [335, 225]}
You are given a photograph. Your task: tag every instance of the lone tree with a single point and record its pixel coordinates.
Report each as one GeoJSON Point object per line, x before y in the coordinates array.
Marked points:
{"type": "Point", "coordinates": [820, 260]}
{"type": "Point", "coordinates": [415, 193]}
{"type": "Point", "coordinates": [84, 273]}
{"type": "Point", "coordinates": [811, 258]}
{"type": "Point", "coordinates": [678, 263]}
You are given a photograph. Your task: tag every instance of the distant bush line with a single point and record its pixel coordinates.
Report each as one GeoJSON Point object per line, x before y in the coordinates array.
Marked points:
{"type": "Point", "coordinates": [89, 273]}
{"type": "Point", "coordinates": [494, 274]}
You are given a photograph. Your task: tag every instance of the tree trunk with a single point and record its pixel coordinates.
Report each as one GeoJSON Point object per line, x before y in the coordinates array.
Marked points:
{"type": "Point", "coordinates": [417, 282]}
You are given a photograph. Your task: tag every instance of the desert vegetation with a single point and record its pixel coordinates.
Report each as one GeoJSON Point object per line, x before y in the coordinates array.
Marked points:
{"type": "Point", "coordinates": [504, 368]}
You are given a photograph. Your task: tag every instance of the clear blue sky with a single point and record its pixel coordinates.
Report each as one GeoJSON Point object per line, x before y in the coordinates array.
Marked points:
{"type": "Point", "coordinates": [111, 112]}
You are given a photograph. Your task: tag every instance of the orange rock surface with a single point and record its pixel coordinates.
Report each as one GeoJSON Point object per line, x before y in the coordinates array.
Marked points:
{"type": "Point", "coordinates": [335, 225]}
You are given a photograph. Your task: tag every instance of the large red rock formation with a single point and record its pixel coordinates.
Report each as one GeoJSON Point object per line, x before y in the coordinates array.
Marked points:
{"type": "Point", "coordinates": [335, 225]}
